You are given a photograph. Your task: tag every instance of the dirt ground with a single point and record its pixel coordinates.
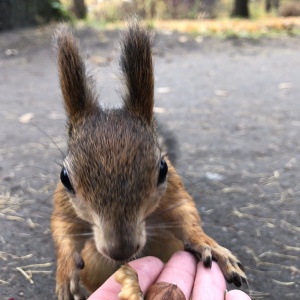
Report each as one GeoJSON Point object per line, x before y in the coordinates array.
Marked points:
{"type": "Point", "coordinates": [234, 108]}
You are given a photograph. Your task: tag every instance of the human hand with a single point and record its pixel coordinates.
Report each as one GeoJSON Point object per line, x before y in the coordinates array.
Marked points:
{"type": "Point", "coordinates": [195, 281]}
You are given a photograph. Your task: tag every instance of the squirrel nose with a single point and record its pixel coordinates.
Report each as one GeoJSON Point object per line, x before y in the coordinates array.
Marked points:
{"type": "Point", "coordinates": [121, 253]}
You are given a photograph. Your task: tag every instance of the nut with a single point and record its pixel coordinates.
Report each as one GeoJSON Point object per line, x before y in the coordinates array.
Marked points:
{"type": "Point", "coordinates": [164, 291]}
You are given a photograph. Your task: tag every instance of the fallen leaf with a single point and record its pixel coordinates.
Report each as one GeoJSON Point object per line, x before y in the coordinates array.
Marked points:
{"type": "Point", "coordinates": [163, 90]}
{"type": "Point", "coordinates": [221, 93]}
{"type": "Point", "coordinates": [213, 176]}
{"type": "Point", "coordinates": [159, 110]}
{"type": "Point", "coordinates": [182, 39]}
{"type": "Point", "coordinates": [285, 85]}
{"type": "Point", "coordinates": [199, 39]}
{"type": "Point", "coordinates": [26, 118]}
{"type": "Point", "coordinates": [11, 52]}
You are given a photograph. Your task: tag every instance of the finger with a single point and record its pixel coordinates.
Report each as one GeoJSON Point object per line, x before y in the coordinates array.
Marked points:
{"type": "Point", "coordinates": [148, 269]}
{"type": "Point", "coordinates": [209, 283]}
{"type": "Point", "coordinates": [236, 295]}
{"type": "Point", "coordinates": [180, 270]}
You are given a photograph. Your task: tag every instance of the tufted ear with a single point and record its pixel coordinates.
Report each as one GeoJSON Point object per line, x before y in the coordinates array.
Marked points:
{"type": "Point", "coordinates": [76, 86]}
{"type": "Point", "coordinates": [137, 67]}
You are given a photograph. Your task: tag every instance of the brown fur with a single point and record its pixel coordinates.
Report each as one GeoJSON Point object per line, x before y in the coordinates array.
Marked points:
{"type": "Point", "coordinates": [118, 209]}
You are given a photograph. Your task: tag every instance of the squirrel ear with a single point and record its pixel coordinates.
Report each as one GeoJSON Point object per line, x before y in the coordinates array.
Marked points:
{"type": "Point", "coordinates": [77, 88]}
{"type": "Point", "coordinates": [137, 67]}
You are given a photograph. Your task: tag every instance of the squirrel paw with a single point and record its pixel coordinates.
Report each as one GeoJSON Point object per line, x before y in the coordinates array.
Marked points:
{"type": "Point", "coordinates": [69, 291]}
{"type": "Point", "coordinates": [231, 267]}
{"type": "Point", "coordinates": [68, 281]}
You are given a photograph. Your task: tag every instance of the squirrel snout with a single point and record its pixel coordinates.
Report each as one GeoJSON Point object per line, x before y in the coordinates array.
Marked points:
{"type": "Point", "coordinates": [121, 253]}
{"type": "Point", "coordinates": [120, 243]}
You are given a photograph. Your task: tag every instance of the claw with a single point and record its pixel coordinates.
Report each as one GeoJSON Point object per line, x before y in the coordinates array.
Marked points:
{"type": "Point", "coordinates": [208, 262]}
{"type": "Point", "coordinates": [206, 257]}
{"type": "Point", "coordinates": [229, 280]}
{"type": "Point", "coordinates": [237, 282]}
{"type": "Point", "coordinates": [79, 262]}
{"type": "Point", "coordinates": [236, 279]}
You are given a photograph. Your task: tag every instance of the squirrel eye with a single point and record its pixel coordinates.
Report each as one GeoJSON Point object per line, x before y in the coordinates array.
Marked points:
{"type": "Point", "coordinates": [163, 170]}
{"type": "Point", "coordinates": [64, 177]}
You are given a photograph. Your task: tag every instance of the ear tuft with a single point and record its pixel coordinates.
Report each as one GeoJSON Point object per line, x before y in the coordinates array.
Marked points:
{"type": "Point", "coordinates": [76, 86]}
{"type": "Point", "coordinates": [137, 67]}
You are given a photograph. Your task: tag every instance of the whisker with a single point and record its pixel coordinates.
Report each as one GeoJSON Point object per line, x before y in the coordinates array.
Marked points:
{"type": "Point", "coordinates": [192, 184]}
{"type": "Point", "coordinates": [48, 211]}
{"type": "Point", "coordinates": [90, 234]}
{"type": "Point", "coordinates": [43, 235]}
{"type": "Point", "coordinates": [161, 212]}
{"type": "Point", "coordinates": [77, 219]}
{"type": "Point", "coordinates": [51, 139]}
{"type": "Point", "coordinates": [164, 224]}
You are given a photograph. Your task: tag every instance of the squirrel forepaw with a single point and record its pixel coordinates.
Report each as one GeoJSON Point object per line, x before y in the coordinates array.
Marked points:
{"type": "Point", "coordinates": [70, 290]}
{"type": "Point", "coordinates": [68, 280]}
{"type": "Point", "coordinates": [231, 267]}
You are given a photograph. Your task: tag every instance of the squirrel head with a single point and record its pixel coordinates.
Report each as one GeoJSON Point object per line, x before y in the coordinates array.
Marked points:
{"type": "Point", "coordinates": [114, 171]}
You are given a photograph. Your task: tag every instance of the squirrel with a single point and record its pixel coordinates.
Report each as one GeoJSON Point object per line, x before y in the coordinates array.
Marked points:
{"type": "Point", "coordinates": [119, 197]}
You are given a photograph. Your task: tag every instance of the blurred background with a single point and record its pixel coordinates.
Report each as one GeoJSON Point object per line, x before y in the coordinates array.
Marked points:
{"type": "Point", "coordinates": [20, 13]}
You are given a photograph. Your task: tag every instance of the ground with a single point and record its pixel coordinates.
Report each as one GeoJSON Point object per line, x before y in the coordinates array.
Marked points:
{"type": "Point", "coordinates": [234, 108]}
